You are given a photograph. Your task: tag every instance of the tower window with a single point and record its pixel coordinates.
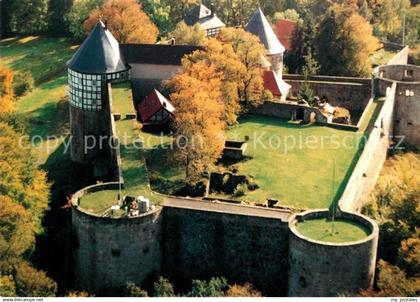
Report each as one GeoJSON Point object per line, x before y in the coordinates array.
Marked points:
{"type": "Point", "coordinates": [408, 73]}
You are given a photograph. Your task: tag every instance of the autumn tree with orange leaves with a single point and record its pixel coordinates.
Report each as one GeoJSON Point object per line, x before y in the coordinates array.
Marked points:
{"type": "Point", "coordinates": [6, 90]}
{"type": "Point", "coordinates": [233, 72]}
{"type": "Point", "coordinates": [126, 20]}
{"type": "Point", "coordinates": [197, 96]}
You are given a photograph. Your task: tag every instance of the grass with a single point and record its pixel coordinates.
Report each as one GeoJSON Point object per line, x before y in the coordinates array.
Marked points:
{"type": "Point", "coordinates": [46, 106]}
{"type": "Point", "coordinates": [322, 230]}
{"type": "Point", "coordinates": [382, 57]}
{"type": "Point", "coordinates": [133, 164]}
{"type": "Point", "coordinates": [299, 175]}
{"type": "Point", "coordinates": [45, 58]}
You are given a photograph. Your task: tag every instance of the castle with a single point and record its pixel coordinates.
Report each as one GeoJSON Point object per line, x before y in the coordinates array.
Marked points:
{"type": "Point", "coordinates": [186, 239]}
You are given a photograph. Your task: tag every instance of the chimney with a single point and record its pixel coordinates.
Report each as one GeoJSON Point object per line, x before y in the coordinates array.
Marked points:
{"type": "Point", "coordinates": [212, 9]}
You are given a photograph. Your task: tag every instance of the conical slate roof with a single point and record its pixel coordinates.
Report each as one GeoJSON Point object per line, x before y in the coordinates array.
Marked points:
{"type": "Point", "coordinates": [99, 53]}
{"type": "Point", "coordinates": [260, 27]}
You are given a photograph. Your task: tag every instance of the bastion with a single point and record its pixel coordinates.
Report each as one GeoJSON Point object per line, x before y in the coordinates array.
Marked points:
{"type": "Point", "coordinates": [321, 267]}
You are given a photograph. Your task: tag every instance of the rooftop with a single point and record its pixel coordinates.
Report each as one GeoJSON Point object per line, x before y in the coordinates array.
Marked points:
{"type": "Point", "coordinates": [204, 16]}
{"type": "Point", "coordinates": [260, 27]}
{"type": "Point", "coordinates": [99, 53]}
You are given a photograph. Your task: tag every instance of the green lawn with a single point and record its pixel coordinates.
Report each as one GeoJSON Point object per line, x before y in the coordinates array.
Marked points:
{"type": "Point", "coordinates": [322, 230]}
{"type": "Point", "coordinates": [133, 165]}
{"type": "Point", "coordinates": [371, 114]}
{"type": "Point", "coordinates": [46, 106]}
{"type": "Point", "coordinates": [297, 173]}
{"type": "Point", "coordinates": [45, 58]}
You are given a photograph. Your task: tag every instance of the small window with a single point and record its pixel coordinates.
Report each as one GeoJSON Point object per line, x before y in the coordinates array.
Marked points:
{"type": "Point", "coordinates": [408, 73]}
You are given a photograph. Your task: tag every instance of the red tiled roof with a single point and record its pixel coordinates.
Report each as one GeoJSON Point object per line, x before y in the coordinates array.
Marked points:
{"type": "Point", "coordinates": [275, 84]}
{"type": "Point", "coordinates": [152, 104]}
{"type": "Point", "coordinates": [284, 31]}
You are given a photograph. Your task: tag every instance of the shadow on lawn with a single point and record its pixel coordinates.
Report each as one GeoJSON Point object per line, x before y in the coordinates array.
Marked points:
{"type": "Point", "coordinates": [53, 246]}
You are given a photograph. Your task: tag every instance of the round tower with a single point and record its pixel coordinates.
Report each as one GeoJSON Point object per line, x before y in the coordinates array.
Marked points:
{"type": "Point", "coordinates": [96, 63]}
{"type": "Point", "coordinates": [328, 262]}
{"type": "Point", "coordinates": [260, 27]}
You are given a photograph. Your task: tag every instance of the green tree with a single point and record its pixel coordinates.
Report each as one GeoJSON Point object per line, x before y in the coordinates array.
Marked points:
{"type": "Point", "coordinates": [33, 283]}
{"type": "Point", "coordinates": [344, 43]}
{"type": "Point", "coordinates": [216, 287]}
{"type": "Point", "coordinates": [56, 22]}
{"type": "Point", "coordinates": [163, 288]}
{"type": "Point", "coordinates": [188, 35]}
{"type": "Point", "coordinates": [78, 14]}
{"type": "Point", "coordinates": [28, 16]}
{"type": "Point", "coordinates": [289, 14]}
{"type": "Point", "coordinates": [159, 12]}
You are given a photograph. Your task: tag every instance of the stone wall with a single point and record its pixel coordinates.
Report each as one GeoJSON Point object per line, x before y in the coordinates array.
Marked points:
{"type": "Point", "coordinates": [350, 93]}
{"type": "Point", "coordinates": [288, 111]}
{"type": "Point", "coordinates": [369, 165]}
{"type": "Point", "coordinates": [320, 269]}
{"type": "Point", "coordinates": [108, 252]}
{"type": "Point", "coordinates": [203, 244]}
{"type": "Point", "coordinates": [407, 109]}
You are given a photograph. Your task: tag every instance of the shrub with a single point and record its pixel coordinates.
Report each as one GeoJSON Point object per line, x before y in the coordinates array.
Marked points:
{"type": "Point", "coordinates": [132, 290]}
{"type": "Point", "coordinates": [240, 190]}
{"type": "Point", "coordinates": [23, 83]}
{"type": "Point", "coordinates": [163, 288]}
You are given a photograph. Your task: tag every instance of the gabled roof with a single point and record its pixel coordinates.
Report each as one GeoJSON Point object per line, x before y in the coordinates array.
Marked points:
{"type": "Point", "coordinates": [156, 54]}
{"type": "Point", "coordinates": [260, 27]}
{"type": "Point", "coordinates": [275, 84]}
{"type": "Point", "coordinates": [284, 31]}
{"type": "Point", "coordinates": [99, 53]}
{"type": "Point", "coordinates": [152, 104]}
{"type": "Point", "coordinates": [204, 16]}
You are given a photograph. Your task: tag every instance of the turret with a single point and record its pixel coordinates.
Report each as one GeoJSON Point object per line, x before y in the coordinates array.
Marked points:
{"type": "Point", "coordinates": [96, 63]}
{"type": "Point", "coordinates": [260, 27]}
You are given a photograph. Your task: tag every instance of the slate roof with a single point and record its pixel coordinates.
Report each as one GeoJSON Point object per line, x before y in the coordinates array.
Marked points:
{"type": "Point", "coordinates": [201, 14]}
{"type": "Point", "coordinates": [99, 53]}
{"type": "Point", "coordinates": [156, 54]}
{"type": "Point", "coordinates": [284, 31]}
{"type": "Point", "coordinates": [151, 104]}
{"type": "Point", "coordinates": [275, 84]}
{"type": "Point", "coordinates": [260, 27]}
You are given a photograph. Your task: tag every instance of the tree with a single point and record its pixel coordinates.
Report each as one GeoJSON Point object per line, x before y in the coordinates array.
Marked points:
{"type": "Point", "coordinates": [301, 42]}
{"type": "Point", "coordinates": [56, 22]}
{"type": "Point", "coordinates": [289, 14]}
{"type": "Point", "coordinates": [126, 20]}
{"type": "Point", "coordinates": [33, 283]}
{"type": "Point", "coordinates": [179, 8]}
{"type": "Point", "coordinates": [344, 43]}
{"type": "Point", "coordinates": [249, 51]}
{"type": "Point", "coordinates": [7, 286]}
{"type": "Point", "coordinates": [28, 16]}
{"type": "Point", "coordinates": [216, 287]}
{"type": "Point", "coordinates": [78, 14]}
{"type": "Point", "coordinates": [226, 62]}
{"type": "Point", "coordinates": [6, 90]}
{"type": "Point", "coordinates": [133, 290]}
{"type": "Point", "coordinates": [199, 126]}
{"type": "Point", "coordinates": [245, 290]}
{"type": "Point", "coordinates": [388, 19]}
{"type": "Point", "coordinates": [188, 35]}
{"type": "Point", "coordinates": [159, 12]}
{"type": "Point", "coordinates": [163, 288]}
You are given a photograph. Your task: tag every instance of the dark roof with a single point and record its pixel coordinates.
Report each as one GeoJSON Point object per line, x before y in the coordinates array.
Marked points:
{"type": "Point", "coordinates": [202, 15]}
{"type": "Point", "coordinates": [284, 31]}
{"type": "Point", "coordinates": [99, 53]}
{"type": "Point", "coordinates": [260, 27]}
{"type": "Point", "coordinates": [152, 103]}
{"type": "Point", "coordinates": [156, 53]}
